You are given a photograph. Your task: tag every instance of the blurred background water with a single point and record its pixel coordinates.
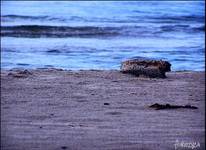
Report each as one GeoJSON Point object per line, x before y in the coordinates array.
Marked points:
{"type": "Point", "coordinates": [99, 35]}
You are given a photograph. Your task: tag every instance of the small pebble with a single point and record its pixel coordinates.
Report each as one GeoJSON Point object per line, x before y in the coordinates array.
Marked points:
{"type": "Point", "coordinates": [64, 147]}
{"type": "Point", "coordinates": [106, 103]}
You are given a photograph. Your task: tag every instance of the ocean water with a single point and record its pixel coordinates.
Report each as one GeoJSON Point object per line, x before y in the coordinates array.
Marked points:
{"type": "Point", "coordinates": [101, 34]}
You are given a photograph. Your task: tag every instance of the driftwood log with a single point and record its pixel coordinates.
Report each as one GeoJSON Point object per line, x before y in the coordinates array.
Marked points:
{"type": "Point", "coordinates": [146, 67]}
{"type": "Point", "coordinates": [20, 74]}
{"type": "Point", "coordinates": [168, 106]}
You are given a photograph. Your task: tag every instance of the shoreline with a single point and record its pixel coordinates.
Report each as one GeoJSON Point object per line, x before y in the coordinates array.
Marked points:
{"type": "Point", "coordinates": [62, 69]}
{"type": "Point", "coordinates": [99, 109]}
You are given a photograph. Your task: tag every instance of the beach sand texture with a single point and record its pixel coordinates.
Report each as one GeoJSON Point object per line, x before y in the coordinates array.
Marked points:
{"type": "Point", "coordinates": [50, 109]}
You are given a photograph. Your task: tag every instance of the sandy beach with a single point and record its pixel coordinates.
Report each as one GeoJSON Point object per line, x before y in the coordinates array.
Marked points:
{"type": "Point", "coordinates": [51, 109]}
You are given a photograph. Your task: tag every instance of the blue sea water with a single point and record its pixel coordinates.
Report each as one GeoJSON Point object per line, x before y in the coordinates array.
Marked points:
{"type": "Point", "coordinates": [101, 34]}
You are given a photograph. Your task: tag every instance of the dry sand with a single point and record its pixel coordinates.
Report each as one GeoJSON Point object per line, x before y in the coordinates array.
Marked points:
{"type": "Point", "coordinates": [99, 110]}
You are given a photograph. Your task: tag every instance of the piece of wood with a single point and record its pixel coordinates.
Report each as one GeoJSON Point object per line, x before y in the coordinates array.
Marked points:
{"type": "Point", "coordinates": [146, 67]}
{"type": "Point", "coordinates": [168, 106]}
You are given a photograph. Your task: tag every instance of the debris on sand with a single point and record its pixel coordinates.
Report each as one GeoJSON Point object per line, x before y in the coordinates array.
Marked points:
{"type": "Point", "coordinates": [146, 67]}
{"type": "Point", "coordinates": [168, 106]}
{"type": "Point", "coordinates": [20, 74]}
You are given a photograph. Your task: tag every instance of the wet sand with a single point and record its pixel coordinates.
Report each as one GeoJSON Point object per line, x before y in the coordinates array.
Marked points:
{"type": "Point", "coordinates": [49, 109]}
